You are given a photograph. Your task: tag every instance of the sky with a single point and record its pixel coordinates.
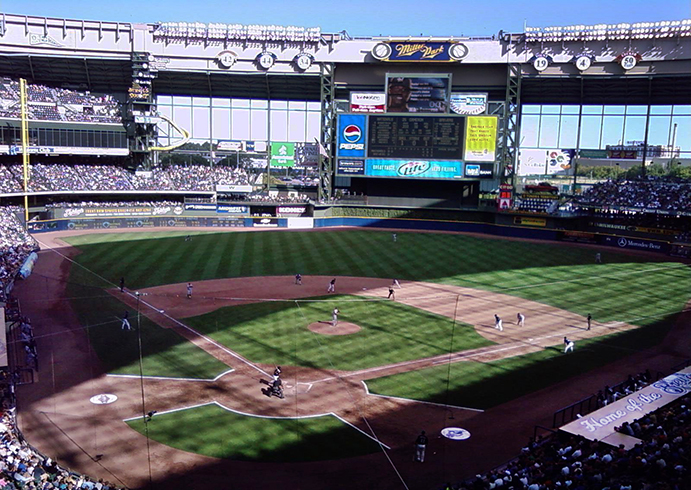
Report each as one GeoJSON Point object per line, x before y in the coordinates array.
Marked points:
{"type": "Point", "coordinates": [366, 17]}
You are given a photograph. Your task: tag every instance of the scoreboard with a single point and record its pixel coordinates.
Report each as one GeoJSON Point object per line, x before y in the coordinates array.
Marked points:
{"type": "Point", "coordinates": [417, 146]}
{"type": "Point", "coordinates": [417, 137]}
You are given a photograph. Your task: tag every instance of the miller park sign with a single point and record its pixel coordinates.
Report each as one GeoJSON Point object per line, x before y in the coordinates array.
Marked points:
{"type": "Point", "coordinates": [424, 51]}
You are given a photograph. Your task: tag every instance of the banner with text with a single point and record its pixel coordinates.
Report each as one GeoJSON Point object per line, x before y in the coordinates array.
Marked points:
{"type": "Point", "coordinates": [282, 154]}
{"type": "Point", "coordinates": [481, 139]}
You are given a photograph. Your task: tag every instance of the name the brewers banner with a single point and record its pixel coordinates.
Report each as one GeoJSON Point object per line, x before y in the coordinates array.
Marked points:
{"type": "Point", "coordinates": [481, 139]}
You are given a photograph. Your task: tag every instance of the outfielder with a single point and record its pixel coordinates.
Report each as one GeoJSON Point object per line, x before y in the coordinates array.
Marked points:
{"type": "Point", "coordinates": [125, 322]}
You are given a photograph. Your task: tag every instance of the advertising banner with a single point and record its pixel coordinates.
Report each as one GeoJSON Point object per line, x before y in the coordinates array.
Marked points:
{"type": "Point", "coordinates": [231, 145]}
{"type": "Point", "coordinates": [306, 154]}
{"type": "Point", "coordinates": [481, 139]}
{"type": "Point", "coordinates": [232, 208]}
{"type": "Point", "coordinates": [469, 103]}
{"type": "Point", "coordinates": [601, 423]}
{"type": "Point", "coordinates": [282, 154]}
{"type": "Point", "coordinates": [350, 167]}
{"type": "Point", "coordinates": [239, 189]}
{"type": "Point", "coordinates": [352, 134]}
{"type": "Point", "coordinates": [479, 170]}
{"type": "Point", "coordinates": [560, 162]}
{"type": "Point", "coordinates": [428, 169]}
{"type": "Point", "coordinates": [265, 222]}
{"type": "Point", "coordinates": [545, 162]}
{"type": "Point", "coordinates": [636, 243]}
{"type": "Point", "coordinates": [87, 212]}
{"type": "Point", "coordinates": [291, 210]}
{"type": "Point", "coordinates": [200, 207]}
{"type": "Point", "coordinates": [368, 102]}
{"type": "Point", "coordinates": [406, 93]}
{"type": "Point", "coordinates": [300, 223]}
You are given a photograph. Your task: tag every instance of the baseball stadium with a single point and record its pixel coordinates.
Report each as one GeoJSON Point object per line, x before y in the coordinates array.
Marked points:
{"type": "Point", "coordinates": [258, 256]}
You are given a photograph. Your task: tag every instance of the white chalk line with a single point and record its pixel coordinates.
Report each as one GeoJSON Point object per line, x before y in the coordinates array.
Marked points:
{"type": "Point", "coordinates": [167, 378]}
{"type": "Point", "coordinates": [412, 400]}
{"type": "Point", "coordinates": [268, 417]}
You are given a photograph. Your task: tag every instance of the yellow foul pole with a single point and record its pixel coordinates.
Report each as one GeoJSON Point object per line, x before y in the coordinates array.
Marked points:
{"type": "Point", "coordinates": [25, 144]}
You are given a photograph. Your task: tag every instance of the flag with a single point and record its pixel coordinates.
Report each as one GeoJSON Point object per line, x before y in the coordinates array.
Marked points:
{"type": "Point", "coordinates": [322, 150]}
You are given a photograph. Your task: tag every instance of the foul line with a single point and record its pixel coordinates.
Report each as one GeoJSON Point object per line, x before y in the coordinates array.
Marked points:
{"type": "Point", "coordinates": [166, 378]}
{"type": "Point", "coordinates": [412, 400]}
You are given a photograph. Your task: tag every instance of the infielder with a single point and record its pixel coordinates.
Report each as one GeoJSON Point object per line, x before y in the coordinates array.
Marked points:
{"type": "Point", "coordinates": [334, 317]}
{"type": "Point", "coordinates": [298, 279]}
{"type": "Point", "coordinates": [396, 283]}
{"type": "Point", "coordinates": [590, 319]}
{"type": "Point", "coordinates": [568, 345]}
{"type": "Point", "coordinates": [420, 447]}
{"type": "Point", "coordinates": [332, 286]}
{"type": "Point", "coordinates": [498, 324]}
{"type": "Point", "coordinates": [392, 295]}
{"type": "Point", "coordinates": [125, 322]}
{"type": "Point", "coordinates": [189, 290]}
{"type": "Point", "coordinates": [520, 319]}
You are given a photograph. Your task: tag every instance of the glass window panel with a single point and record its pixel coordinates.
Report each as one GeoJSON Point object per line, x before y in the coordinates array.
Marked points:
{"type": "Point", "coordinates": [531, 109]}
{"type": "Point", "coordinates": [164, 99]}
{"type": "Point", "coordinates": [529, 131]}
{"type": "Point", "coordinates": [200, 124]}
{"type": "Point", "coordinates": [183, 117]}
{"type": "Point", "coordinates": [683, 138]}
{"type": "Point", "coordinates": [313, 126]}
{"type": "Point", "coordinates": [590, 132]}
{"type": "Point", "coordinates": [260, 104]}
{"type": "Point", "coordinates": [661, 109]}
{"type": "Point", "coordinates": [634, 129]}
{"type": "Point", "coordinates": [568, 133]}
{"type": "Point", "coordinates": [612, 130]}
{"type": "Point", "coordinates": [279, 125]}
{"type": "Point", "coordinates": [570, 109]}
{"type": "Point", "coordinates": [240, 124]}
{"type": "Point", "coordinates": [592, 109]}
{"type": "Point", "coordinates": [549, 132]}
{"type": "Point", "coordinates": [659, 131]}
{"type": "Point", "coordinates": [182, 100]}
{"type": "Point", "coordinates": [296, 126]}
{"type": "Point", "coordinates": [220, 102]}
{"type": "Point", "coordinates": [681, 109]}
{"type": "Point", "coordinates": [220, 129]}
{"type": "Point", "coordinates": [260, 125]}
{"type": "Point", "coordinates": [615, 109]}
{"type": "Point", "coordinates": [551, 109]}
{"type": "Point", "coordinates": [314, 106]}
{"type": "Point", "coordinates": [297, 105]}
{"type": "Point", "coordinates": [279, 104]}
{"type": "Point", "coordinates": [201, 101]}
{"type": "Point", "coordinates": [166, 110]}
{"type": "Point", "coordinates": [637, 109]}
{"type": "Point", "coordinates": [240, 103]}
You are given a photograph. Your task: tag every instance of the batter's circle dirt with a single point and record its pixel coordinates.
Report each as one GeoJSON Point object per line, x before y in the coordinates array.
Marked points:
{"type": "Point", "coordinates": [342, 328]}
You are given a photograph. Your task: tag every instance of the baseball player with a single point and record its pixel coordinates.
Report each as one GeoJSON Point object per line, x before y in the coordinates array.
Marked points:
{"type": "Point", "coordinates": [498, 324]}
{"type": "Point", "coordinates": [590, 319]}
{"type": "Point", "coordinates": [334, 317]}
{"type": "Point", "coordinates": [392, 295]}
{"type": "Point", "coordinates": [332, 286]}
{"type": "Point", "coordinates": [125, 322]}
{"type": "Point", "coordinates": [568, 345]}
{"type": "Point", "coordinates": [520, 319]}
{"type": "Point", "coordinates": [298, 279]}
{"type": "Point", "coordinates": [122, 284]}
{"type": "Point", "coordinates": [598, 258]}
{"type": "Point", "coordinates": [189, 290]}
{"type": "Point", "coordinates": [394, 237]}
{"type": "Point", "coordinates": [420, 447]}
{"type": "Point", "coordinates": [396, 283]}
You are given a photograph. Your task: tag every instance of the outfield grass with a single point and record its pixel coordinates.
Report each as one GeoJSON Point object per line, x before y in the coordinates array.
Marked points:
{"type": "Point", "coordinates": [629, 288]}
{"type": "Point", "coordinates": [213, 431]}
{"type": "Point", "coordinates": [277, 333]}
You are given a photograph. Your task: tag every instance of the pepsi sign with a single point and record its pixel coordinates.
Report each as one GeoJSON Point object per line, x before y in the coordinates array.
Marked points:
{"type": "Point", "coordinates": [352, 131]}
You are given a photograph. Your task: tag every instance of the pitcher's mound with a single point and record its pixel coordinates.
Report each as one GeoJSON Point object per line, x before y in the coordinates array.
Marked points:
{"type": "Point", "coordinates": [325, 328]}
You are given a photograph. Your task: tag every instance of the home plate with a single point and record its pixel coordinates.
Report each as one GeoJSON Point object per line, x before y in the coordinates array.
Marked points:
{"type": "Point", "coordinates": [302, 388]}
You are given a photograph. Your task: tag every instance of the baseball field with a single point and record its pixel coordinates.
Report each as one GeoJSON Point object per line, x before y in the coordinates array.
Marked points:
{"type": "Point", "coordinates": [354, 392]}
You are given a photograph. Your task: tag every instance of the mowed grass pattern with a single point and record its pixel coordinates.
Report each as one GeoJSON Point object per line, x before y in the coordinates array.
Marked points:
{"type": "Point", "coordinates": [220, 433]}
{"type": "Point", "coordinates": [277, 333]}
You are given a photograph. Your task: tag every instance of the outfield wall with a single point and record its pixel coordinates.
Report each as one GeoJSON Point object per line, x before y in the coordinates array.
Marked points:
{"type": "Point", "coordinates": [535, 230]}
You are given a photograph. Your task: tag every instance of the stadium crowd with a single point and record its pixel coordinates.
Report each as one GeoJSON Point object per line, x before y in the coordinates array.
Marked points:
{"type": "Point", "coordinates": [651, 193]}
{"type": "Point", "coordinates": [15, 246]}
{"type": "Point", "coordinates": [661, 461]}
{"type": "Point", "coordinates": [56, 104]}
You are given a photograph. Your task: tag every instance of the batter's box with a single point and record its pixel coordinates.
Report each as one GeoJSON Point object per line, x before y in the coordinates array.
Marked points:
{"type": "Point", "coordinates": [301, 388]}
